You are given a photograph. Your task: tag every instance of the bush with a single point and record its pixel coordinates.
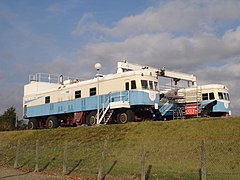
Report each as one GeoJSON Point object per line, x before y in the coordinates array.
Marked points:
{"type": "Point", "coordinates": [8, 119]}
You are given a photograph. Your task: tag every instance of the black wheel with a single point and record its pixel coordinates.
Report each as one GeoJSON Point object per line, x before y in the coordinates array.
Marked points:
{"type": "Point", "coordinates": [91, 119]}
{"type": "Point", "coordinates": [125, 116]}
{"type": "Point", "coordinates": [33, 124]}
{"type": "Point", "coordinates": [52, 122]}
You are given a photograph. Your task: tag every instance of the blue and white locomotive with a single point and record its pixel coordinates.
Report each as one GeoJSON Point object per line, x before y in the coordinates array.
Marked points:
{"type": "Point", "coordinates": [125, 96]}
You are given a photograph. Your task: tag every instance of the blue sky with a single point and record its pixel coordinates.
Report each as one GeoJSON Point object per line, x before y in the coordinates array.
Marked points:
{"type": "Point", "coordinates": [70, 36]}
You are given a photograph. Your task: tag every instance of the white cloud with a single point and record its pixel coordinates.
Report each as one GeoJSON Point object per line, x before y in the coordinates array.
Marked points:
{"type": "Point", "coordinates": [227, 74]}
{"type": "Point", "coordinates": [160, 34]}
{"type": "Point", "coordinates": [177, 16]}
{"type": "Point", "coordinates": [63, 7]}
{"type": "Point", "coordinates": [166, 50]}
{"type": "Point", "coordinates": [222, 11]}
{"type": "Point", "coordinates": [232, 40]}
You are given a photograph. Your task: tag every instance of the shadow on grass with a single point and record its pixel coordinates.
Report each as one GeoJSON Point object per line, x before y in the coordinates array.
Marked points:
{"type": "Point", "coordinates": [148, 174]}
{"type": "Point", "coordinates": [14, 175]}
{"type": "Point", "coordinates": [75, 167]}
{"type": "Point", "coordinates": [11, 159]}
{"type": "Point", "coordinates": [24, 164]}
{"type": "Point", "coordinates": [45, 167]}
{"type": "Point", "coordinates": [111, 168]}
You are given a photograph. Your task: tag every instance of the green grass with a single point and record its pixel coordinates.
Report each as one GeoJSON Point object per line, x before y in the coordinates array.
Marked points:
{"type": "Point", "coordinates": [173, 149]}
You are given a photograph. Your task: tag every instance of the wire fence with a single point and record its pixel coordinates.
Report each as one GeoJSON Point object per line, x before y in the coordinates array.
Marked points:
{"type": "Point", "coordinates": [159, 159]}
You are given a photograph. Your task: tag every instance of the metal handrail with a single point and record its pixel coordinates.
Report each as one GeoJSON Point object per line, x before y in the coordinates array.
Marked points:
{"type": "Point", "coordinates": [107, 102]}
{"type": "Point", "coordinates": [50, 78]}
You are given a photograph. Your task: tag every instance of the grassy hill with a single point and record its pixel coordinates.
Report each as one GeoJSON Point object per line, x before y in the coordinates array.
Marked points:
{"type": "Point", "coordinates": [172, 149]}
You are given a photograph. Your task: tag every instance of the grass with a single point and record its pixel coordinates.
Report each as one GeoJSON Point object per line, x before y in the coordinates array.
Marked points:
{"type": "Point", "coordinates": [173, 149]}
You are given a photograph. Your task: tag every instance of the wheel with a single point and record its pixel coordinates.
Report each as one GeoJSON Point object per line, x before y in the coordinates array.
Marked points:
{"type": "Point", "coordinates": [91, 119]}
{"type": "Point", "coordinates": [33, 124]}
{"type": "Point", "coordinates": [125, 116]}
{"type": "Point", "coordinates": [52, 122]}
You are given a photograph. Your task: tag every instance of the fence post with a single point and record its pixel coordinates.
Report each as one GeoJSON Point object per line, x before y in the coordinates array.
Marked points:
{"type": "Point", "coordinates": [101, 164]}
{"type": "Point", "coordinates": [37, 157]}
{"type": "Point", "coordinates": [65, 159]}
{"type": "Point", "coordinates": [203, 161]}
{"type": "Point", "coordinates": [17, 154]}
{"type": "Point", "coordinates": [143, 163]}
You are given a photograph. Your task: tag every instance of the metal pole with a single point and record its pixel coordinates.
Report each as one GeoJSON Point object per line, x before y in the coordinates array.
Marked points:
{"type": "Point", "coordinates": [65, 159]}
{"type": "Point", "coordinates": [98, 67]}
{"type": "Point", "coordinates": [98, 106]}
{"type": "Point", "coordinates": [17, 155]}
{"type": "Point", "coordinates": [37, 157]}
{"type": "Point", "coordinates": [143, 164]}
{"type": "Point", "coordinates": [203, 161]}
{"type": "Point", "coordinates": [102, 159]}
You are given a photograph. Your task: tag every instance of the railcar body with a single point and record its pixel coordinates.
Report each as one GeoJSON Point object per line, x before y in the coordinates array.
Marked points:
{"type": "Point", "coordinates": [216, 96]}
{"type": "Point", "coordinates": [124, 96]}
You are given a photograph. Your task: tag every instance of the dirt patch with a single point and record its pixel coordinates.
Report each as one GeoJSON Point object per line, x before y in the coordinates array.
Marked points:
{"type": "Point", "coordinates": [18, 174]}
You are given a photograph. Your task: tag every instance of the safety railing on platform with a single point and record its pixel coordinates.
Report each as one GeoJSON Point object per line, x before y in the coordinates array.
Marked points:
{"type": "Point", "coordinates": [50, 78]}
{"type": "Point", "coordinates": [112, 97]}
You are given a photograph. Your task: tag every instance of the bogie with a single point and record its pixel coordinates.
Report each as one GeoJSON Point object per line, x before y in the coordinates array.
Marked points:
{"type": "Point", "coordinates": [52, 122]}
{"type": "Point", "coordinates": [33, 123]}
{"type": "Point", "coordinates": [124, 116]}
{"type": "Point", "coordinates": [91, 118]}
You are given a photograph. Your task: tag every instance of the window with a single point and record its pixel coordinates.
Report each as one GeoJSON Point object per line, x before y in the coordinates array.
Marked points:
{"type": "Point", "coordinates": [228, 98]}
{"type": "Point", "coordinates": [127, 86]}
{"type": "Point", "coordinates": [156, 85]}
{"type": "Point", "coordinates": [211, 96]}
{"type": "Point", "coordinates": [151, 84]}
{"type": "Point", "coordinates": [144, 84]}
{"type": "Point", "coordinates": [133, 84]}
{"type": "Point", "coordinates": [92, 91]}
{"type": "Point", "coordinates": [47, 99]}
{"type": "Point", "coordinates": [220, 95]}
{"type": "Point", "coordinates": [77, 94]}
{"type": "Point", "coordinates": [205, 96]}
{"type": "Point", "coordinates": [225, 96]}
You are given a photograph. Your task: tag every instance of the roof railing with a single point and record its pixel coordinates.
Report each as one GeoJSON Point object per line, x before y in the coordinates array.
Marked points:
{"type": "Point", "coordinates": [50, 78]}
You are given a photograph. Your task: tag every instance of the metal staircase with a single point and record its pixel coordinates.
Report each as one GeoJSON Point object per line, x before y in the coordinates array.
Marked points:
{"type": "Point", "coordinates": [166, 107]}
{"type": "Point", "coordinates": [108, 115]}
{"type": "Point", "coordinates": [111, 103]}
{"type": "Point", "coordinates": [190, 97]}
{"type": "Point", "coordinates": [105, 114]}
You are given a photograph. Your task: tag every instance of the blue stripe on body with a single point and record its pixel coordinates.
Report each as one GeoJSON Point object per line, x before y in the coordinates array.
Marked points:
{"type": "Point", "coordinates": [89, 103]}
{"type": "Point", "coordinates": [219, 107]}
{"type": "Point", "coordinates": [142, 98]}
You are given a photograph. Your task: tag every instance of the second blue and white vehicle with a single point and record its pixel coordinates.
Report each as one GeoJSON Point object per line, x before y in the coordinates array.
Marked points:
{"type": "Point", "coordinates": [212, 99]}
